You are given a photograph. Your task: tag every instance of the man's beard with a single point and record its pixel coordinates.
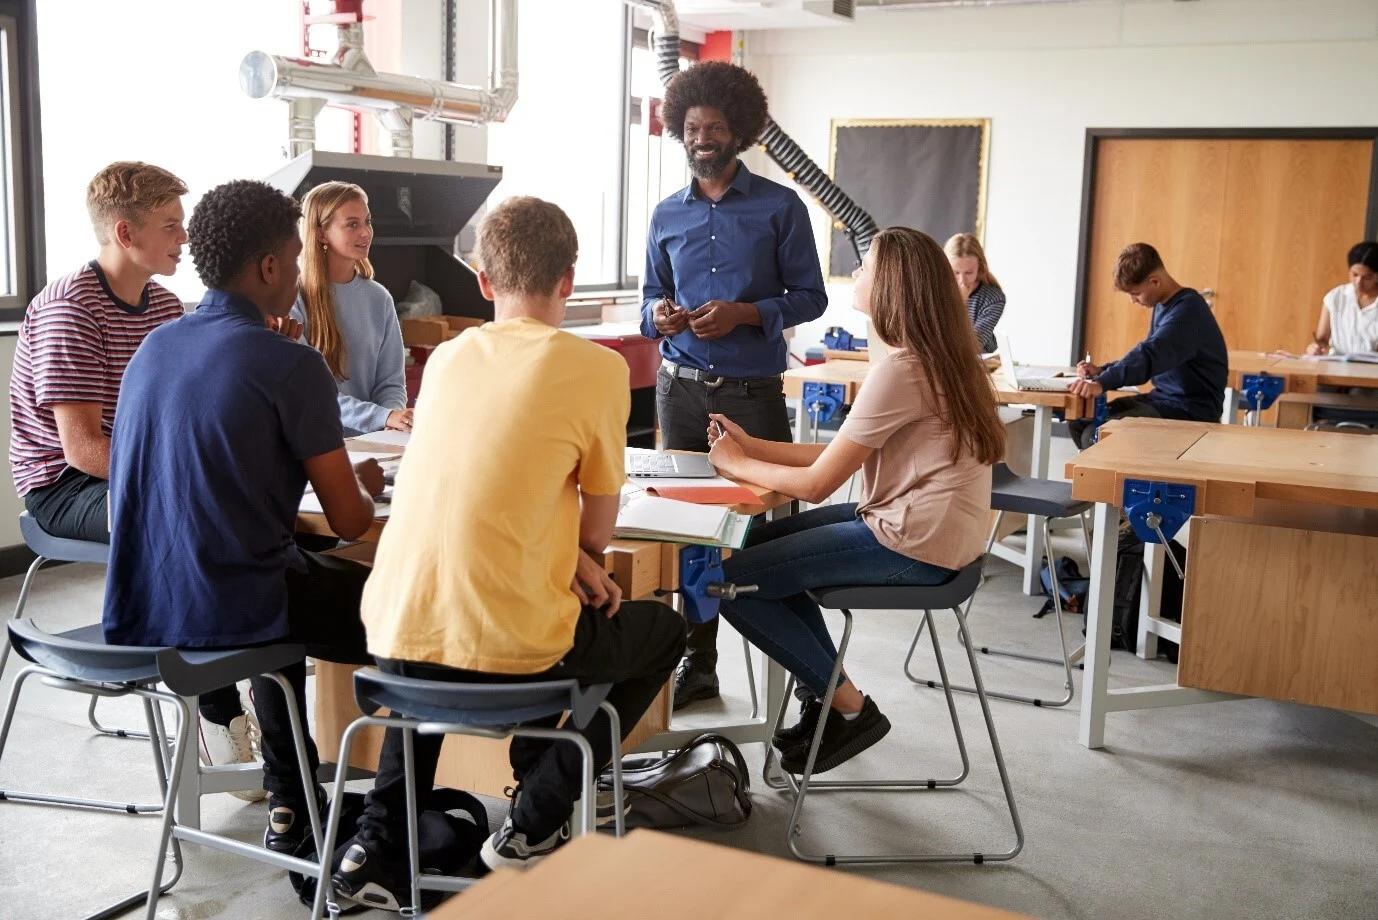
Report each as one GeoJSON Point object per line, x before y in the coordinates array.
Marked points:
{"type": "Point", "coordinates": [712, 167]}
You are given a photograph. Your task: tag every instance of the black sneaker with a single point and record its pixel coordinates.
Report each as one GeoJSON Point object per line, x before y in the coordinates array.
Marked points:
{"type": "Point", "coordinates": [843, 739]}
{"type": "Point", "coordinates": [288, 824]}
{"type": "Point", "coordinates": [786, 738]}
{"type": "Point", "coordinates": [366, 877]}
{"type": "Point", "coordinates": [694, 683]}
{"type": "Point", "coordinates": [510, 847]}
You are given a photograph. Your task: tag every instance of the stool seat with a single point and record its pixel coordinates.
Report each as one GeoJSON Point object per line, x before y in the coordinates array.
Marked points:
{"type": "Point", "coordinates": [82, 654]}
{"type": "Point", "coordinates": [60, 549]}
{"type": "Point", "coordinates": [952, 593]}
{"type": "Point", "coordinates": [1025, 495]}
{"type": "Point", "coordinates": [491, 705]}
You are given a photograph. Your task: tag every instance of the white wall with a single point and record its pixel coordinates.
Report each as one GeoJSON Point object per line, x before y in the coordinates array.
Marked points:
{"type": "Point", "coordinates": [1043, 75]}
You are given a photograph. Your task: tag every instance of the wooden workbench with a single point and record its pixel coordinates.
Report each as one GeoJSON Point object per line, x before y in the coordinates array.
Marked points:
{"type": "Point", "coordinates": [1280, 583]}
{"type": "Point", "coordinates": [1301, 377]}
{"type": "Point", "coordinates": [676, 878]}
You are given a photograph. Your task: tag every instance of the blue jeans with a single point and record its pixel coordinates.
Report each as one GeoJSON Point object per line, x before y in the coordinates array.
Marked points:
{"type": "Point", "coordinates": [786, 558]}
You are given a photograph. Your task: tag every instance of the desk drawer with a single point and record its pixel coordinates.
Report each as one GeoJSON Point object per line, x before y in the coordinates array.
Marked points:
{"type": "Point", "coordinates": [1282, 613]}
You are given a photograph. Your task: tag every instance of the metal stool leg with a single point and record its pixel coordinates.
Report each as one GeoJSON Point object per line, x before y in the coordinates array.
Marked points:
{"type": "Point", "coordinates": [19, 608]}
{"type": "Point", "coordinates": [750, 680]}
{"type": "Point", "coordinates": [805, 781]}
{"type": "Point", "coordinates": [1065, 661]}
{"type": "Point", "coordinates": [413, 823]}
{"type": "Point", "coordinates": [113, 732]}
{"type": "Point", "coordinates": [67, 801]}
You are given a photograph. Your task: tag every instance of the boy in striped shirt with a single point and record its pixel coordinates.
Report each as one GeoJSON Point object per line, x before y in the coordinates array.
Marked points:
{"type": "Point", "coordinates": [77, 337]}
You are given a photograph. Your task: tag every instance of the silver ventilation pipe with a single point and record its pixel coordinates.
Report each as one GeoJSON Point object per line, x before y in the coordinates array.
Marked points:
{"type": "Point", "coordinates": [395, 99]}
{"type": "Point", "coordinates": [847, 215]}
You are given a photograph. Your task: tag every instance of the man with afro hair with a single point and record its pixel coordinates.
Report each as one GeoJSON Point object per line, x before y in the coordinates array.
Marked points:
{"type": "Point", "coordinates": [221, 423]}
{"type": "Point", "coordinates": [731, 263]}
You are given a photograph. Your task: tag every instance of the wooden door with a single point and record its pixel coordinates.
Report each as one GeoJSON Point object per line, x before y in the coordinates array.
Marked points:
{"type": "Point", "coordinates": [1292, 210]}
{"type": "Point", "coordinates": [1261, 224]}
{"type": "Point", "coordinates": [1170, 193]}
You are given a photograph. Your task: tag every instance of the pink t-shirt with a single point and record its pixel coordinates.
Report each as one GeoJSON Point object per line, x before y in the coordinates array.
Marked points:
{"type": "Point", "coordinates": [913, 497]}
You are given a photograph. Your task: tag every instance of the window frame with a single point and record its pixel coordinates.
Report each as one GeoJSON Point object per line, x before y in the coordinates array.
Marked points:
{"type": "Point", "coordinates": [28, 249]}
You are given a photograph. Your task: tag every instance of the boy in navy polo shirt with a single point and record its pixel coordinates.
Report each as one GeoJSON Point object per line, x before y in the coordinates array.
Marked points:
{"type": "Point", "coordinates": [221, 423]}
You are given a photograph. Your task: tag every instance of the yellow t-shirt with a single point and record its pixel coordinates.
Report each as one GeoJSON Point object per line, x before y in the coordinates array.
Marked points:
{"type": "Point", "coordinates": [475, 564]}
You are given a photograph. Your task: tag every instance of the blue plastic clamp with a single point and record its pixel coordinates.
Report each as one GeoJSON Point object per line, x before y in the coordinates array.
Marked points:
{"type": "Point", "coordinates": [1099, 416]}
{"type": "Point", "coordinates": [1172, 503]}
{"type": "Point", "coordinates": [839, 339]}
{"type": "Point", "coordinates": [823, 400]}
{"type": "Point", "coordinates": [1260, 391]}
{"type": "Point", "coordinates": [699, 566]}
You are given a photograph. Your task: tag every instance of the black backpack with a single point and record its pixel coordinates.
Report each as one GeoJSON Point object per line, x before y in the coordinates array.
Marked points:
{"type": "Point", "coordinates": [1129, 576]}
{"type": "Point", "coordinates": [449, 842]}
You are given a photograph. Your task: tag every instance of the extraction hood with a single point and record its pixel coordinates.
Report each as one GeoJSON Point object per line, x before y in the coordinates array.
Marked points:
{"type": "Point", "coordinates": [413, 201]}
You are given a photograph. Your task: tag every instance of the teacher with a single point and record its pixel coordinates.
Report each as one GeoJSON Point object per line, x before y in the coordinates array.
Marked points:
{"type": "Point", "coordinates": [731, 263]}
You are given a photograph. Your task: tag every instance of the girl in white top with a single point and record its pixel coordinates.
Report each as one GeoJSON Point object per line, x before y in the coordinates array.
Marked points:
{"type": "Point", "coordinates": [1349, 317]}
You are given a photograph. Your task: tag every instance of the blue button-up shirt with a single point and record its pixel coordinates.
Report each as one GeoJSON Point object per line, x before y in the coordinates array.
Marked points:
{"type": "Point", "coordinates": [755, 245]}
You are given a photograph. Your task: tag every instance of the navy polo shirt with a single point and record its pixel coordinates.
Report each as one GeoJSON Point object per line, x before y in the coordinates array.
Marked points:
{"type": "Point", "coordinates": [216, 414]}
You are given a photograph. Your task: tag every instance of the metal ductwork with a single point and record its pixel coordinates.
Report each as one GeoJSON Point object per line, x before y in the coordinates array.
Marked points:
{"type": "Point", "coordinates": [349, 80]}
{"type": "Point", "coordinates": [849, 216]}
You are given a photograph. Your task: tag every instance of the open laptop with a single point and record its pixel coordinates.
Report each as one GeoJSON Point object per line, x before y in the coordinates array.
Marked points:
{"type": "Point", "coordinates": [1044, 379]}
{"type": "Point", "coordinates": [660, 465]}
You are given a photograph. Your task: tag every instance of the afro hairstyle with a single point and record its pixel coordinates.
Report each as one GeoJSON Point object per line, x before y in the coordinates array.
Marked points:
{"type": "Point", "coordinates": [730, 89]}
{"type": "Point", "coordinates": [238, 223]}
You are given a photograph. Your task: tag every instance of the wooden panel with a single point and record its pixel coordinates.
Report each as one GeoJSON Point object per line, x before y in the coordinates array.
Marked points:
{"type": "Point", "coordinates": [670, 877]}
{"type": "Point", "coordinates": [1169, 193]}
{"type": "Point", "coordinates": [1292, 210]}
{"type": "Point", "coordinates": [1283, 614]}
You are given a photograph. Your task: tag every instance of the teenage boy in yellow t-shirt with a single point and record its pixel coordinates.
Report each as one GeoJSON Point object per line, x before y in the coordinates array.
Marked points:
{"type": "Point", "coordinates": [508, 490]}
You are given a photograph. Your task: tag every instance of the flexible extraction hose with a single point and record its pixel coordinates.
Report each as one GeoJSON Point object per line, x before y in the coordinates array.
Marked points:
{"type": "Point", "coordinates": [847, 215]}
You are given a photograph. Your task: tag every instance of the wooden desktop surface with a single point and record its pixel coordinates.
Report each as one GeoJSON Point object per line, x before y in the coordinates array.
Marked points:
{"type": "Point", "coordinates": [850, 374]}
{"type": "Point", "coordinates": [677, 878]}
{"type": "Point", "coordinates": [1303, 376]}
{"type": "Point", "coordinates": [1233, 467]}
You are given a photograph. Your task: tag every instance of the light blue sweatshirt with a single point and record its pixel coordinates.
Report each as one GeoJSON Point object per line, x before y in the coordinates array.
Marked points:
{"type": "Point", "coordinates": [377, 381]}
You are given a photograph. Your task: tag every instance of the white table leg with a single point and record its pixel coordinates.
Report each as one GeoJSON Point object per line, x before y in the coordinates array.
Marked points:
{"type": "Point", "coordinates": [1095, 683]}
{"type": "Point", "coordinates": [1150, 599]}
{"type": "Point", "coordinates": [1038, 468]}
{"type": "Point", "coordinates": [801, 423]}
{"type": "Point", "coordinates": [1230, 417]}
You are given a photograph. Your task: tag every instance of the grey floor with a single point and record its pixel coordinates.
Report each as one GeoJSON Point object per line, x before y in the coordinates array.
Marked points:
{"type": "Point", "coordinates": [1244, 809]}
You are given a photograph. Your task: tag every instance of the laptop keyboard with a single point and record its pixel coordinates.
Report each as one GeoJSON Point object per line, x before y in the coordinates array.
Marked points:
{"type": "Point", "coordinates": [650, 465]}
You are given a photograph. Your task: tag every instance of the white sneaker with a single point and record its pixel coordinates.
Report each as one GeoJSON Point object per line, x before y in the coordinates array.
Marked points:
{"type": "Point", "coordinates": [222, 745]}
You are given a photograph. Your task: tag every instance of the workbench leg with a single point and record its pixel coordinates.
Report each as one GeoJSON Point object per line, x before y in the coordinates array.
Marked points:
{"type": "Point", "coordinates": [1038, 468]}
{"type": "Point", "coordinates": [1150, 599]}
{"type": "Point", "coordinates": [1101, 599]}
{"type": "Point", "coordinates": [801, 423]}
{"type": "Point", "coordinates": [1230, 416]}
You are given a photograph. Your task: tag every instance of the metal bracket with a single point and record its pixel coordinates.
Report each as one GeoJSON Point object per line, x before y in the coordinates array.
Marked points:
{"type": "Point", "coordinates": [1158, 510]}
{"type": "Point", "coordinates": [699, 567]}
{"type": "Point", "coordinates": [823, 400]}
{"type": "Point", "coordinates": [839, 339]}
{"type": "Point", "coordinates": [1099, 416]}
{"type": "Point", "coordinates": [1261, 390]}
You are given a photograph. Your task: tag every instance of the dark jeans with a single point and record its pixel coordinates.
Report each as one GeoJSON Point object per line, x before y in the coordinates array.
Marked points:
{"type": "Point", "coordinates": [323, 615]}
{"type": "Point", "coordinates": [682, 408]}
{"type": "Point", "coordinates": [74, 508]}
{"type": "Point", "coordinates": [1083, 430]}
{"type": "Point", "coordinates": [815, 549]}
{"type": "Point", "coordinates": [635, 651]}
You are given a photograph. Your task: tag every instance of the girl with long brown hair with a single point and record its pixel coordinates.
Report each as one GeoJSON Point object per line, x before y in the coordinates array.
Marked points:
{"type": "Point", "coordinates": [925, 432]}
{"type": "Point", "coordinates": [984, 297]}
{"type": "Point", "coordinates": [346, 315]}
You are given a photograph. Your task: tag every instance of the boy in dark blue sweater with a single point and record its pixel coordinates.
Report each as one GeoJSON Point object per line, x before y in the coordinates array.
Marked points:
{"type": "Point", "coordinates": [1184, 355]}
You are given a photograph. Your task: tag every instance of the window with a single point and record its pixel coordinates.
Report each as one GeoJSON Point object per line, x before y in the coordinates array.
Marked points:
{"type": "Point", "coordinates": [13, 283]}
{"type": "Point", "coordinates": [563, 141]}
{"type": "Point", "coordinates": [656, 166]}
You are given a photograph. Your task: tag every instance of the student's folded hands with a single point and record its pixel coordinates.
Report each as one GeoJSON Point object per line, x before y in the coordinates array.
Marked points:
{"type": "Point", "coordinates": [726, 453]}
{"type": "Point", "coordinates": [285, 325]}
{"type": "Point", "coordinates": [594, 586]}
{"type": "Point", "coordinates": [716, 319]}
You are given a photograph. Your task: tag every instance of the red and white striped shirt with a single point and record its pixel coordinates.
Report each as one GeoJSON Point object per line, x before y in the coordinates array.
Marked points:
{"type": "Point", "coordinates": [75, 341]}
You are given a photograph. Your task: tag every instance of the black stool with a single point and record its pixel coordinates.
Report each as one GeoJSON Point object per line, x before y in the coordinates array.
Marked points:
{"type": "Point", "coordinates": [951, 595]}
{"type": "Point", "coordinates": [1050, 500]}
{"type": "Point", "coordinates": [81, 660]}
{"type": "Point", "coordinates": [438, 707]}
